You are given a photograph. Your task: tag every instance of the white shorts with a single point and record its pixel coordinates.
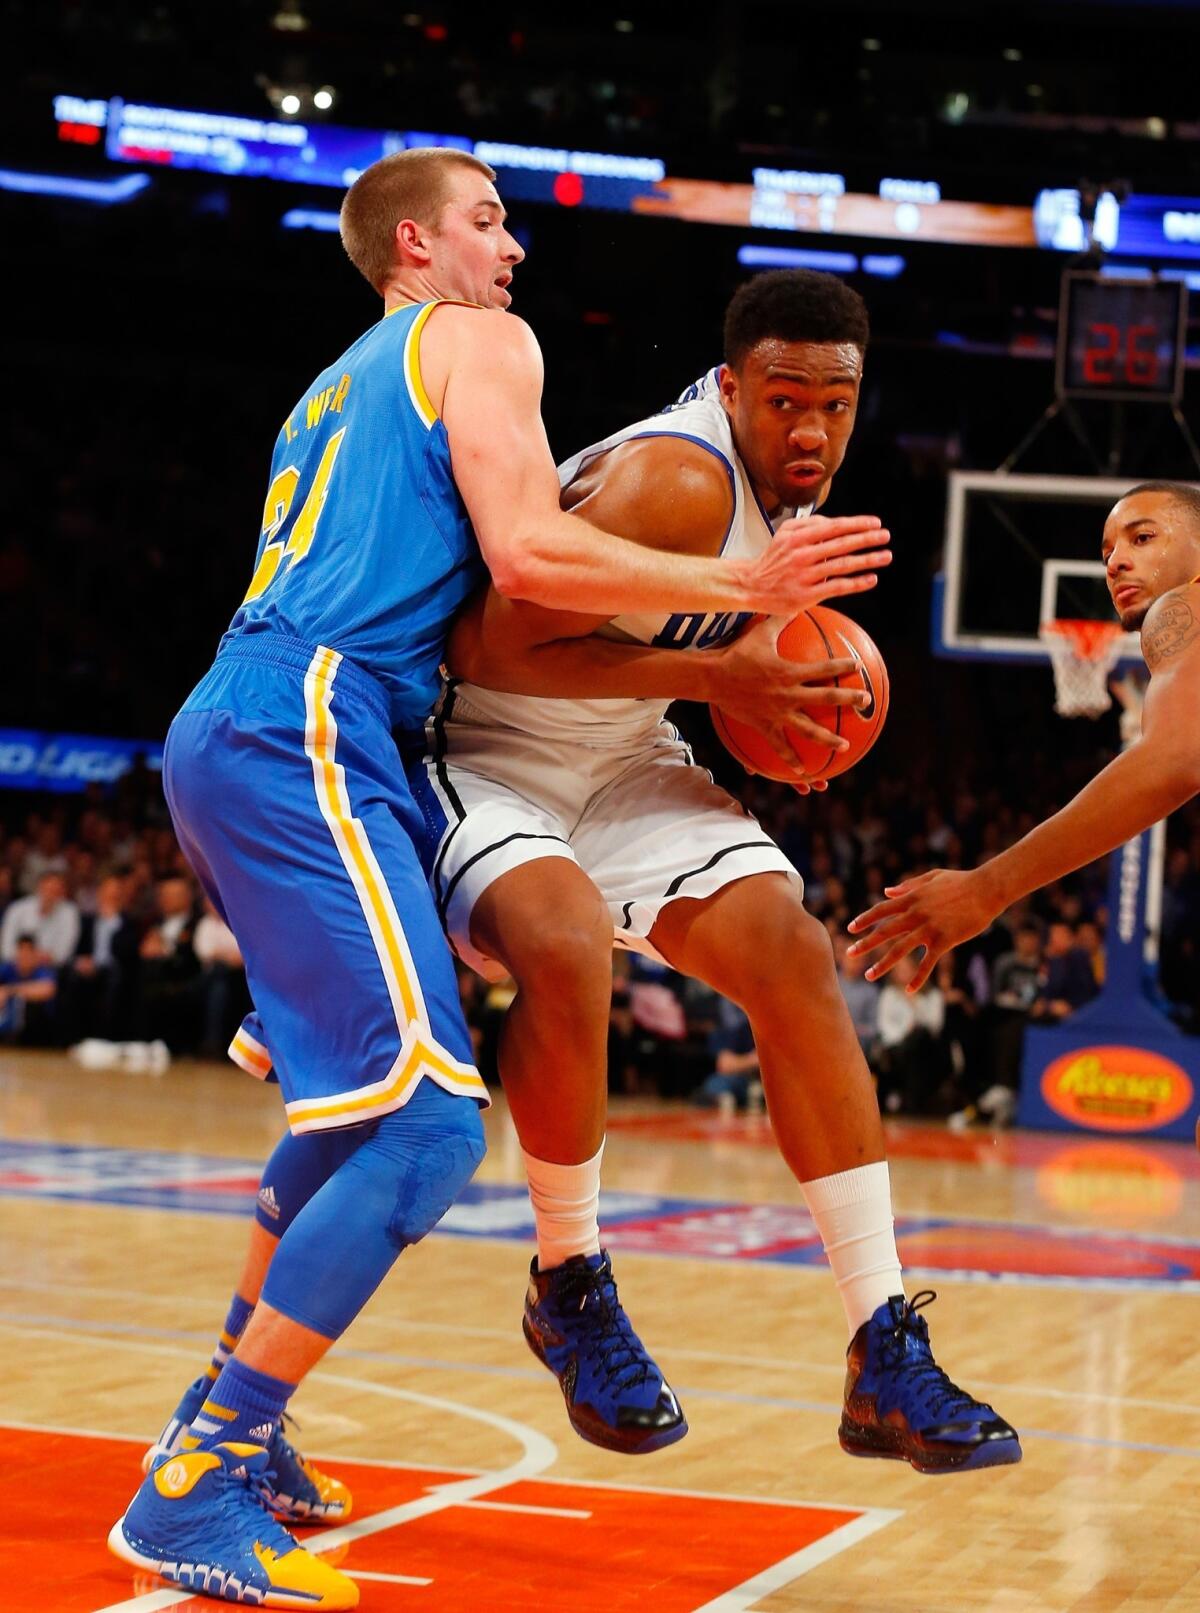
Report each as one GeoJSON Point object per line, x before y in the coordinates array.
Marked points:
{"type": "Point", "coordinates": [645, 825]}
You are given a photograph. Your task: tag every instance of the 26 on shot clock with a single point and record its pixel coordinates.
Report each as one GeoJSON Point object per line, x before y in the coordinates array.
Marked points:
{"type": "Point", "coordinates": [1121, 339]}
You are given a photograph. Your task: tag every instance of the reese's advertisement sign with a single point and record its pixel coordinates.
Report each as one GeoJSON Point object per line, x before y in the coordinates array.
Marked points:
{"type": "Point", "coordinates": [1116, 1088]}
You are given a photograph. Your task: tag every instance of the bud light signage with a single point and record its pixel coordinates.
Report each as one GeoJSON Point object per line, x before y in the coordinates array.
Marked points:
{"type": "Point", "coordinates": [69, 763]}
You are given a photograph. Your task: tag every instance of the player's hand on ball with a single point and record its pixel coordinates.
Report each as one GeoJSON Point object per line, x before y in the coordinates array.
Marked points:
{"type": "Point", "coordinates": [936, 911]}
{"type": "Point", "coordinates": [752, 681]}
{"type": "Point", "coordinates": [815, 558]}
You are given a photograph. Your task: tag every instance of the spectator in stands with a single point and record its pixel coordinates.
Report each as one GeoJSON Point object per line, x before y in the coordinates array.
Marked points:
{"type": "Point", "coordinates": [224, 998]}
{"type": "Point", "coordinates": [1067, 981]}
{"type": "Point", "coordinates": [96, 986]}
{"type": "Point", "coordinates": [49, 916]}
{"type": "Point", "coordinates": [911, 1060]}
{"type": "Point", "coordinates": [622, 1047]}
{"type": "Point", "coordinates": [1016, 984]}
{"type": "Point", "coordinates": [27, 989]}
{"type": "Point", "coordinates": [82, 879]}
{"type": "Point", "coordinates": [169, 969]}
{"type": "Point", "coordinates": [45, 856]}
{"type": "Point", "coordinates": [664, 1051]}
{"type": "Point", "coordinates": [861, 994]}
{"type": "Point", "coordinates": [958, 979]}
{"type": "Point", "coordinates": [735, 1082]}
{"type": "Point", "coordinates": [1091, 940]}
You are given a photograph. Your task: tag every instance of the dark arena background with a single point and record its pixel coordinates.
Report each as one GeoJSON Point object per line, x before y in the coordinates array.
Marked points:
{"type": "Point", "coordinates": [1015, 192]}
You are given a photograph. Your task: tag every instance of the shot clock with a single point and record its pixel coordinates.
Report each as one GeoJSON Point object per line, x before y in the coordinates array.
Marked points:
{"type": "Point", "coordinates": [1121, 339]}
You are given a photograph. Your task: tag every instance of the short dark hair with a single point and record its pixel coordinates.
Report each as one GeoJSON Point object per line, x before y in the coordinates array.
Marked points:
{"type": "Point", "coordinates": [793, 305]}
{"type": "Point", "coordinates": [1182, 492]}
{"type": "Point", "coordinates": [405, 184]}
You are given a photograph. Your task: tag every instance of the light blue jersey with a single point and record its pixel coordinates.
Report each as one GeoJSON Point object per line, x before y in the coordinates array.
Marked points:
{"type": "Point", "coordinates": [366, 545]}
{"type": "Point", "coordinates": [281, 773]}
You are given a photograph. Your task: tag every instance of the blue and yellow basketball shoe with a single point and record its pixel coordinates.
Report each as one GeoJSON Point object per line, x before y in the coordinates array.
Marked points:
{"type": "Point", "coordinates": [296, 1490]}
{"type": "Point", "coordinates": [615, 1395]}
{"type": "Point", "coordinates": [201, 1520]}
{"type": "Point", "coordinates": [899, 1403]}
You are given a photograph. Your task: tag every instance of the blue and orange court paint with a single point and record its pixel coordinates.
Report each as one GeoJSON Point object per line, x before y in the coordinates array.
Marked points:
{"type": "Point", "coordinates": [1111, 1184]}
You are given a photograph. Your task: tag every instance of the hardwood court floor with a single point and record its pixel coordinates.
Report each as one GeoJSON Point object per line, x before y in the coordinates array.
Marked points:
{"type": "Point", "coordinates": [121, 1202]}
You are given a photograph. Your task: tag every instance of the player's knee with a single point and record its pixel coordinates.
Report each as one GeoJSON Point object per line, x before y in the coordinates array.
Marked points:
{"type": "Point", "coordinates": [437, 1154]}
{"type": "Point", "coordinates": [427, 1192]}
{"type": "Point", "coordinates": [568, 954]}
{"type": "Point", "coordinates": [785, 944]}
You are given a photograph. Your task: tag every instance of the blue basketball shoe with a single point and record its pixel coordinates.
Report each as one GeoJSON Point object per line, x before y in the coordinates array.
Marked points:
{"type": "Point", "coordinates": [297, 1491]}
{"type": "Point", "coordinates": [201, 1520]}
{"type": "Point", "coordinates": [899, 1403]}
{"type": "Point", "coordinates": [615, 1395]}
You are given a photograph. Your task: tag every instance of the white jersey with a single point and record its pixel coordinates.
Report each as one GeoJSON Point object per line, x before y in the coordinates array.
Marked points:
{"type": "Point", "coordinates": [698, 417]}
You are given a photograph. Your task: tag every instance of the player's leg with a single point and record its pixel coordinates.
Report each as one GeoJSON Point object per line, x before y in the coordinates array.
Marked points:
{"type": "Point", "coordinates": [296, 813]}
{"type": "Point", "coordinates": [754, 942]}
{"type": "Point", "coordinates": [400, 1175]}
{"type": "Point", "coordinates": [548, 926]}
{"type": "Point", "coordinates": [297, 1490]}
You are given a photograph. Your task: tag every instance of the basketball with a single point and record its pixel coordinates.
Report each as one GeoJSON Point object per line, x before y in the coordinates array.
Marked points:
{"type": "Point", "coordinates": [818, 634]}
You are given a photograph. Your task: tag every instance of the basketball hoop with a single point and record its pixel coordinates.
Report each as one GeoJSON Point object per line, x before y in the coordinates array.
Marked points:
{"type": "Point", "coordinates": [1082, 654]}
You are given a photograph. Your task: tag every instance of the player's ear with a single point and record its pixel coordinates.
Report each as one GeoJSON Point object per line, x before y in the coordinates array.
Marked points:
{"type": "Point", "coordinates": [727, 381]}
{"type": "Point", "coordinates": [411, 240]}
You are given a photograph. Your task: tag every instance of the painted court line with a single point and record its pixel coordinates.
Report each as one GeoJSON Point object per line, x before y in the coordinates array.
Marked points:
{"type": "Point", "coordinates": [743, 1597]}
{"type": "Point", "coordinates": [755, 1363]}
{"type": "Point", "coordinates": [517, 1506]}
{"type": "Point", "coordinates": [149, 1603]}
{"type": "Point", "coordinates": [723, 1396]}
{"type": "Point", "coordinates": [387, 1579]}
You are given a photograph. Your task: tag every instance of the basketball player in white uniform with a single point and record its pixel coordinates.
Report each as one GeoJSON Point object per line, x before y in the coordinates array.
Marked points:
{"type": "Point", "coordinates": [563, 824]}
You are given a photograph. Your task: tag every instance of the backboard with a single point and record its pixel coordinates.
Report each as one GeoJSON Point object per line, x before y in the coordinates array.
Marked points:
{"type": "Point", "coordinates": [1020, 550]}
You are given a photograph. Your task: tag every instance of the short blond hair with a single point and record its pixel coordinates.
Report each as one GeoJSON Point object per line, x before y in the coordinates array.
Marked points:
{"type": "Point", "coordinates": [407, 184]}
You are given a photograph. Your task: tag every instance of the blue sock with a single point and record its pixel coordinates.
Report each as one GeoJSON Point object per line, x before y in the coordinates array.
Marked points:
{"type": "Point", "coordinates": [243, 1406]}
{"type": "Point", "coordinates": [240, 1312]}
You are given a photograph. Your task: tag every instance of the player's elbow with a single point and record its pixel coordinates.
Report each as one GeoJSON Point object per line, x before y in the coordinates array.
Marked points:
{"type": "Point", "coordinates": [517, 571]}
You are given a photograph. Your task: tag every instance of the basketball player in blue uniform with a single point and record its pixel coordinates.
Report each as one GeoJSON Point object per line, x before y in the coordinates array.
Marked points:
{"type": "Point", "coordinates": [1151, 550]}
{"type": "Point", "coordinates": [419, 451]}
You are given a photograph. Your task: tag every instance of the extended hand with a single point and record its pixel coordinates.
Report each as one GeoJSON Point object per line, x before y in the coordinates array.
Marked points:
{"type": "Point", "coordinates": [753, 682]}
{"type": "Point", "coordinates": [936, 911]}
{"type": "Point", "coordinates": [813, 559]}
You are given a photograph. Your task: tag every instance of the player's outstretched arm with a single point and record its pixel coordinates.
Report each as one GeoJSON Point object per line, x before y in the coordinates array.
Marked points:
{"type": "Point", "coordinates": [487, 379]}
{"type": "Point", "coordinates": [1154, 777]}
{"type": "Point", "coordinates": [662, 494]}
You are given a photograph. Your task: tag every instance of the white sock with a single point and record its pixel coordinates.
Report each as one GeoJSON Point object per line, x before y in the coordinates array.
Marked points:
{"type": "Point", "coordinates": [853, 1212]}
{"type": "Point", "coordinates": [566, 1208]}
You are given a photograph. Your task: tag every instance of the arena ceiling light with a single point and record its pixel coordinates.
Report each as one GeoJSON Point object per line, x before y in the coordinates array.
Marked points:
{"type": "Point", "coordinates": [289, 19]}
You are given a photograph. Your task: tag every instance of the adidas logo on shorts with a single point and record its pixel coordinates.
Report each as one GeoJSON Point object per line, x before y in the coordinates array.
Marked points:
{"type": "Point", "coordinates": [268, 1203]}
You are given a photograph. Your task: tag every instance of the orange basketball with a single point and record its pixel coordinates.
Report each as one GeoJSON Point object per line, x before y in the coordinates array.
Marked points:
{"type": "Point", "coordinates": [818, 634]}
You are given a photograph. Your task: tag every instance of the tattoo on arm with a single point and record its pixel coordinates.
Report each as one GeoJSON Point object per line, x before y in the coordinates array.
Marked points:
{"type": "Point", "coordinates": [1174, 627]}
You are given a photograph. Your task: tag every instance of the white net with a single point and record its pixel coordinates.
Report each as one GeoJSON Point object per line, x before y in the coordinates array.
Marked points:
{"type": "Point", "coordinates": [1082, 654]}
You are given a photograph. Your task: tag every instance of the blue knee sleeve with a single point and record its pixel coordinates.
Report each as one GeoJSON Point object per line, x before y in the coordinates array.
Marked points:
{"type": "Point", "coordinates": [392, 1189]}
{"type": "Point", "coordinates": [298, 1167]}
